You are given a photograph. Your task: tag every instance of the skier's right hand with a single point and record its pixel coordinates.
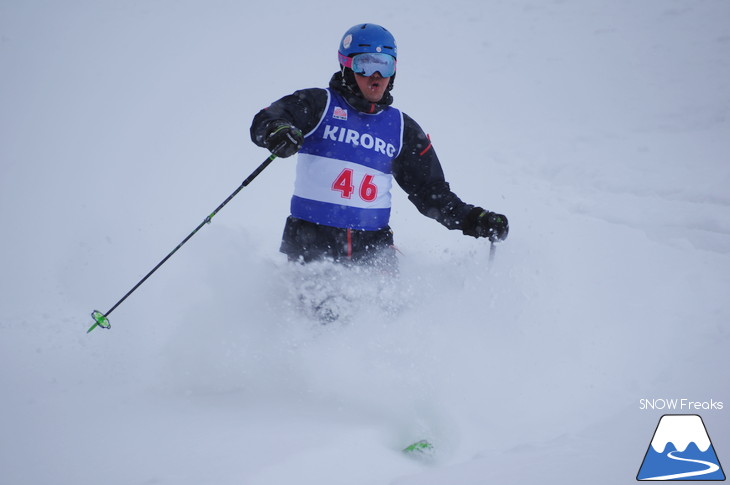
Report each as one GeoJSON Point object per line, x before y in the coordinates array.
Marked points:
{"type": "Point", "coordinates": [283, 139]}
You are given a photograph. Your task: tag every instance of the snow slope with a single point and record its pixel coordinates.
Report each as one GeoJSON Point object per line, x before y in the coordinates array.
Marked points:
{"type": "Point", "coordinates": [599, 127]}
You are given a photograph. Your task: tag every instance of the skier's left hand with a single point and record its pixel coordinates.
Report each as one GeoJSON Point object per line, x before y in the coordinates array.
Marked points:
{"type": "Point", "coordinates": [482, 223]}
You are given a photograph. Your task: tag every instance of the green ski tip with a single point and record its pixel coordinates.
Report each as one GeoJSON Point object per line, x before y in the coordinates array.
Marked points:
{"type": "Point", "coordinates": [421, 448]}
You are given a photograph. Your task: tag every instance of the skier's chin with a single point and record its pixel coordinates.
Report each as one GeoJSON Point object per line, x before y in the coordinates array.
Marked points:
{"type": "Point", "coordinates": [373, 94]}
{"type": "Point", "coordinates": [373, 87]}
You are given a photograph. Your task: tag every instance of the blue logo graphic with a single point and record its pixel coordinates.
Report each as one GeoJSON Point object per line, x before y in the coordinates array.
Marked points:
{"type": "Point", "coordinates": [680, 450]}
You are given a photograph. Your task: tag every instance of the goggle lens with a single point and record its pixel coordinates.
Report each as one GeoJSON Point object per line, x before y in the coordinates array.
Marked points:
{"type": "Point", "coordinates": [370, 63]}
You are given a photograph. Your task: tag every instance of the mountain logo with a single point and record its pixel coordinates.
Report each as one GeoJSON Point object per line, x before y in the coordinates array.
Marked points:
{"type": "Point", "coordinates": [340, 113]}
{"type": "Point", "coordinates": [680, 450]}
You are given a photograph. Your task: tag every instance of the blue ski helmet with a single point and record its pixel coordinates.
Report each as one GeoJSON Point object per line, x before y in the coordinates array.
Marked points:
{"type": "Point", "coordinates": [364, 38]}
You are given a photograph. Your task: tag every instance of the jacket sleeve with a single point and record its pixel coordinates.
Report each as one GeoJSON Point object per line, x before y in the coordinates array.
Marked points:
{"type": "Point", "coordinates": [302, 109]}
{"type": "Point", "coordinates": [418, 171]}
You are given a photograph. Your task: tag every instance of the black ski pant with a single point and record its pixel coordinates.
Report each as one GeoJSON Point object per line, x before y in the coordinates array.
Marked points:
{"type": "Point", "coordinates": [306, 241]}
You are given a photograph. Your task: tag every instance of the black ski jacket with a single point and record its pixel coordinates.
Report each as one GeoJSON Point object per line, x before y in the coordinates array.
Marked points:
{"type": "Point", "coordinates": [416, 169]}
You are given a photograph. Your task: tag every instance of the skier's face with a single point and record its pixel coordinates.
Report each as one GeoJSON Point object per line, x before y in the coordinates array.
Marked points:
{"type": "Point", "coordinates": [372, 87]}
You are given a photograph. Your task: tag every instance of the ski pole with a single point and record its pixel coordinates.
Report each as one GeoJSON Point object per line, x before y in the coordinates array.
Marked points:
{"type": "Point", "coordinates": [102, 319]}
{"type": "Point", "coordinates": [492, 253]}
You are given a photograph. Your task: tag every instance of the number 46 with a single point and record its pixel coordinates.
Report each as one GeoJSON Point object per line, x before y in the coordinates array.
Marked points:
{"type": "Point", "coordinates": [343, 184]}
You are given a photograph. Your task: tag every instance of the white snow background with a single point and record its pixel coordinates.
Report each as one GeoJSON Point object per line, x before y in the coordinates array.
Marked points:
{"type": "Point", "coordinates": [601, 128]}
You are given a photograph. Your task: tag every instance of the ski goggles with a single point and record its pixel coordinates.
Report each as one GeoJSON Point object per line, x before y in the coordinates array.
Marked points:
{"type": "Point", "coordinates": [369, 63]}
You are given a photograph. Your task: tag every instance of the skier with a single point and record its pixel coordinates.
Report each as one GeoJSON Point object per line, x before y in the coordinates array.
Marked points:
{"type": "Point", "coordinates": [352, 143]}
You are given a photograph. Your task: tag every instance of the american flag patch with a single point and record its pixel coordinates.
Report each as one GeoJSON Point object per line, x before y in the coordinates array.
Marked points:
{"type": "Point", "coordinates": [340, 114]}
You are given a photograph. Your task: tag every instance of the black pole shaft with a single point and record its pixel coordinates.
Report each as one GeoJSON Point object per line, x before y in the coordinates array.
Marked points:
{"type": "Point", "coordinates": [207, 220]}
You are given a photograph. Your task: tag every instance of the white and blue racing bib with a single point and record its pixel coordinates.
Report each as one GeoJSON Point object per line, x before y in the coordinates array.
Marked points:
{"type": "Point", "coordinates": [344, 172]}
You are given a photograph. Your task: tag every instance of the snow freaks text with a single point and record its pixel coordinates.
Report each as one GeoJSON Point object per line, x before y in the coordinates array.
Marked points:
{"type": "Point", "coordinates": [679, 405]}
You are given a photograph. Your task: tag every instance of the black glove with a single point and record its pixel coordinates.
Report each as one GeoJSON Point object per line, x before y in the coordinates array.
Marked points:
{"type": "Point", "coordinates": [481, 223]}
{"type": "Point", "coordinates": [283, 139]}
